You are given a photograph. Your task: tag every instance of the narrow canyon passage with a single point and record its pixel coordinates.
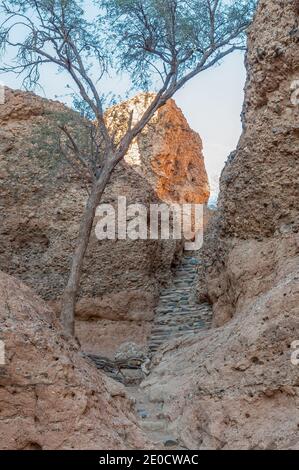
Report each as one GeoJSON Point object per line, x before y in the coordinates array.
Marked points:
{"type": "Point", "coordinates": [151, 367]}
{"type": "Point", "coordinates": [178, 317]}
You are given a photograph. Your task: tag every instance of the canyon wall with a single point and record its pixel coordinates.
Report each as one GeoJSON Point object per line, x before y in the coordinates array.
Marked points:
{"type": "Point", "coordinates": [51, 398]}
{"type": "Point", "coordinates": [259, 186]}
{"type": "Point", "coordinates": [42, 199]}
{"type": "Point", "coordinates": [236, 386]}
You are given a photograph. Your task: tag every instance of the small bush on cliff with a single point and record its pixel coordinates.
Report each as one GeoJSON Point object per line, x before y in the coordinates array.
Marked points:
{"type": "Point", "coordinates": [159, 43]}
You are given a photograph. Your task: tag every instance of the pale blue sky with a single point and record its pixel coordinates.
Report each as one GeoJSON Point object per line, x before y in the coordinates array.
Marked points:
{"type": "Point", "coordinates": [211, 102]}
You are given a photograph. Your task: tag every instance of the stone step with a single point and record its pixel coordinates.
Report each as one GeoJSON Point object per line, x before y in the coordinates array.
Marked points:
{"type": "Point", "coordinates": [183, 299]}
{"type": "Point", "coordinates": [192, 305]}
{"type": "Point", "coordinates": [167, 328]}
{"type": "Point", "coordinates": [186, 270]}
{"type": "Point", "coordinates": [194, 263]}
{"type": "Point", "coordinates": [175, 297]}
{"type": "Point", "coordinates": [172, 324]}
{"type": "Point", "coordinates": [180, 283]}
{"type": "Point", "coordinates": [175, 330]}
{"type": "Point", "coordinates": [185, 276]}
{"type": "Point", "coordinates": [161, 337]}
{"type": "Point", "coordinates": [179, 324]}
{"type": "Point", "coordinates": [185, 287]}
{"type": "Point", "coordinates": [174, 291]}
{"type": "Point", "coordinates": [177, 314]}
{"type": "Point", "coordinates": [174, 286]}
{"type": "Point", "coordinates": [184, 311]}
{"type": "Point", "coordinates": [184, 283]}
{"type": "Point", "coordinates": [179, 318]}
{"type": "Point", "coordinates": [189, 302]}
{"type": "Point", "coordinates": [181, 311]}
{"type": "Point", "coordinates": [163, 340]}
{"type": "Point", "coordinates": [191, 268]}
{"type": "Point", "coordinates": [179, 307]}
{"type": "Point", "coordinates": [182, 316]}
{"type": "Point", "coordinates": [164, 305]}
{"type": "Point", "coordinates": [181, 288]}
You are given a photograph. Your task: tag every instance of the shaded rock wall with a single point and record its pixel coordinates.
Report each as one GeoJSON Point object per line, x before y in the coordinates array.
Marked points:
{"type": "Point", "coordinates": [50, 397]}
{"type": "Point", "coordinates": [259, 185]}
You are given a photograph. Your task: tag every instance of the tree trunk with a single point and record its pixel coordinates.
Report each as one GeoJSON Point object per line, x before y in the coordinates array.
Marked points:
{"type": "Point", "coordinates": [70, 293]}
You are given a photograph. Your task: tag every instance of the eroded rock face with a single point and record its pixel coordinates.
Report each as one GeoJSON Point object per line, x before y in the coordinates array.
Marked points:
{"type": "Point", "coordinates": [167, 153]}
{"type": "Point", "coordinates": [235, 386]}
{"type": "Point", "coordinates": [50, 397]}
{"type": "Point", "coordinates": [42, 201]}
{"type": "Point", "coordinates": [259, 185]}
{"type": "Point", "coordinates": [259, 190]}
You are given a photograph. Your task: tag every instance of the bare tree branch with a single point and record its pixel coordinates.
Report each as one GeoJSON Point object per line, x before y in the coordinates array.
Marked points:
{"type": "Point", "coordinates": [172, 40]}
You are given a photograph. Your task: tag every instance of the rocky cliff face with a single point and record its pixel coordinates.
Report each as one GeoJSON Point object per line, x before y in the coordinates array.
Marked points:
{"type": "Point", "coordinates": [168, 154]}
{"type": "Point", "coordinates": [259, 185]}
{"type": "Point", "coordinates": [236, 386]}
{"type": "Point", "coordinates": [42, 201]}
{"type": "Point", "coordinates": [50, 397]}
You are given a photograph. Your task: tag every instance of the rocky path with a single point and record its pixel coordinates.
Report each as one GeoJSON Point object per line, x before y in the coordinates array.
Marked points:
{"type": "Point", "coordinates": [177, 316]}
{"type": "Point", "coordinates": [178, 313]}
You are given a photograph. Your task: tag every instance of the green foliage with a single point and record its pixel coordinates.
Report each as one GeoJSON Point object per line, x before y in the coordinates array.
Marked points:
{"type": "Point", "coordinates": [45, 137]}
{"type": "Point", "coordinates": [154, 35]}
{"type": "Point", "coordinates": [83, 108]}
{"type": "Point", "coordinates": [49, 30]}
{"type": "Point", "coordinates": [51, 146]}
{"type": "Point", "coordinates": [145, 38]}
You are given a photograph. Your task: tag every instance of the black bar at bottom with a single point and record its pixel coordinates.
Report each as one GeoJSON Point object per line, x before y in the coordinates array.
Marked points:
{"type": "Point", "coordinates": [138, 459]}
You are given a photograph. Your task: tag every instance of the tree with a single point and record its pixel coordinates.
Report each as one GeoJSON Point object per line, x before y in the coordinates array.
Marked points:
{"type": "Point", "coordinates": [159, 43]}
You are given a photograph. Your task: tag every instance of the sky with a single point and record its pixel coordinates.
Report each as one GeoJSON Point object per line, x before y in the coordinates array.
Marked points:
{"type": "Point", "coordinates": [212, 103]}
